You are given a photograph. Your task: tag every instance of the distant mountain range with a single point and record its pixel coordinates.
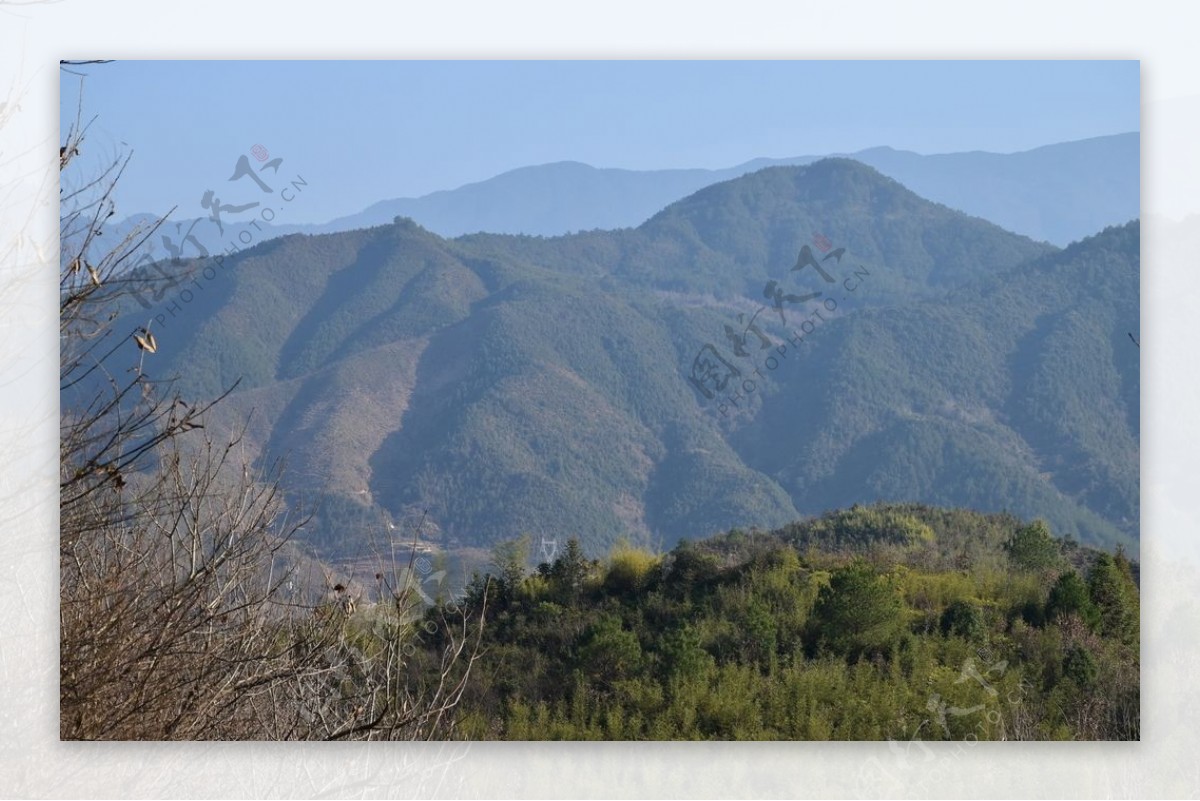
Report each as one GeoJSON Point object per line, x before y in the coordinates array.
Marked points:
{"type": "Point", "coordinates": [683, 377]}
{"type": "Point", "coordinates": [1058, 193]}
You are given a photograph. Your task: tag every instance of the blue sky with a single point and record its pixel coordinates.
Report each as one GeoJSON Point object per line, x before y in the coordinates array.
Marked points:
{"type": "Point", "coordinates": [360, 131]}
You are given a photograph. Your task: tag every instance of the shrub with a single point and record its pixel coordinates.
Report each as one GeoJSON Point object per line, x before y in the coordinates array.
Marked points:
{"type": "Point", "coordinates": [963, 619]}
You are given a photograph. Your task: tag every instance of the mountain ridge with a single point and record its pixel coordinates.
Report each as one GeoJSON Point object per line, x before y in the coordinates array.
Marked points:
{"type": "Point", "coordinates": [515, 383]}
{"type": "Point", "coordinates": [1029, 192]}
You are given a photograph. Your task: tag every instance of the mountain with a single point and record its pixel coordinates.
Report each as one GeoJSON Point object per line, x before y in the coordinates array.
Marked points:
{"type": "Point", "coordinates": [545, 200]}
{"type": "Point", "coordinates": [517, 384]}
{"type": "Point", "coordinates": [1024, 384]}
{"type": "Point", "coordinates": [1058, 193]}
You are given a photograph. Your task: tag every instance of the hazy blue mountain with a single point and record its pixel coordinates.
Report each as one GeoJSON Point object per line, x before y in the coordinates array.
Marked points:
{"type": "Point", "coordinates": [1058, 193]}
{"type": "Point", "coordinates": [547, 200]}
{"type": "Point", "coordinates": [514, 384]}
{"type": "Point", "coordinates": [1018, 392]}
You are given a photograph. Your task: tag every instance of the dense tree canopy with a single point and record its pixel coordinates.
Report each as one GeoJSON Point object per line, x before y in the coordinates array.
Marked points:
{"type": "Point", "coordinates": [829, 628]}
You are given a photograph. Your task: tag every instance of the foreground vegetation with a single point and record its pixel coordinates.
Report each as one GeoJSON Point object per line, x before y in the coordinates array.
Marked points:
{"type": "Point", "coordinates": [884, 622]}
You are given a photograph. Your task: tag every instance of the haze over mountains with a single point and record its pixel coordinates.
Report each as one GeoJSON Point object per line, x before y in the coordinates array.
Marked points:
{"type": "Point", "coordinates": [513, 384]}
{"type": "Point", "coordinates": [1058, 193]}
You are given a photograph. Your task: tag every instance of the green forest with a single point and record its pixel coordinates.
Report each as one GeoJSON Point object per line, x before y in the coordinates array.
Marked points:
{"type": "Point", "coordinates": [902, 622]}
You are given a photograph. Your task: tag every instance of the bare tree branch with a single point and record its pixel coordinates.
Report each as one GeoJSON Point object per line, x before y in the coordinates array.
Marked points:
{"type": "Point", "coordinates": [178, 618]}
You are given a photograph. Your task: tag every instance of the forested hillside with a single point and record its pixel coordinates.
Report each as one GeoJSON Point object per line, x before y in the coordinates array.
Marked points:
{"type": "Point", "coordinates": [515, 385]}
{"type": "Point", "coordinates": [899, 622]}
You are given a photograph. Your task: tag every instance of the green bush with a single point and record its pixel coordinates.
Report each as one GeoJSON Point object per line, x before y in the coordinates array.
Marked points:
{"type": "Point", "coordinates": [1033, 547]}
{"type": "Point", "coordinates": [859, 612]}
{"type": "Point", "coordinates": [1069, 595]}
{"type": "Point", "coordinates": [963, 619]}
{"type": "Point", "coordinates": [628, 569]}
